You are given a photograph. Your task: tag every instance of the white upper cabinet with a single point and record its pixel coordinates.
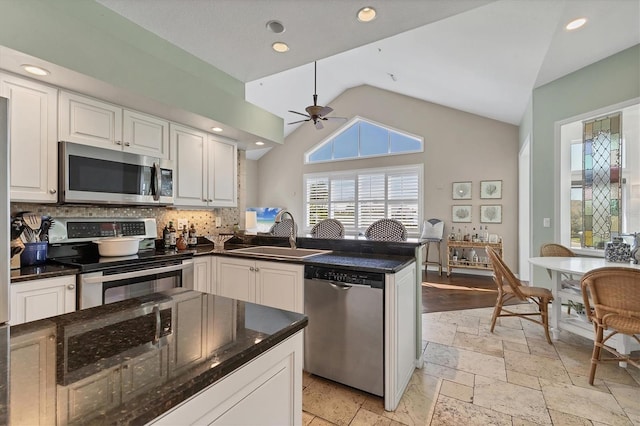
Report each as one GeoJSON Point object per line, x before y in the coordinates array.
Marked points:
{"type": "Point", "coordinates": [145, 134]}
{"type": "Point", "coordinates": [206, 169]}
{"type": "Point", "coordinates": [189, 156]}
{"type": "Point", "coordinates": [93, 122]}
{"type": "Point", "coordinates": [223, 172]}
{"type": "Point", "coordinates": [32, 138]}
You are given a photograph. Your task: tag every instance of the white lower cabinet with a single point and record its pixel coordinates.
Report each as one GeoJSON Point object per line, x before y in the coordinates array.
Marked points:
{"type": "Point", "coordinates": [266, 391]}
{"type": "Point", "coordinates": [400, 329]}
{"type": "Point", "coordinates": [33, 376]}
{"type": "Point", "coordinates": [275, 284]}
{"type": "Point", "coordinates": [203, 276]}
{"type": "Point", "coordinates": [37, 299]}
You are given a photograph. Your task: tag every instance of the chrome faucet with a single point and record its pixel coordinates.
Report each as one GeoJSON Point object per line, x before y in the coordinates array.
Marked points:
{"type": "Point", "coordinates": [292, 235]}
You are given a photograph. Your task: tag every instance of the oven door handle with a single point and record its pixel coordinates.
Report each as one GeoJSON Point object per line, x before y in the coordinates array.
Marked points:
{"type": "Point", "coordinates": [135, 274]}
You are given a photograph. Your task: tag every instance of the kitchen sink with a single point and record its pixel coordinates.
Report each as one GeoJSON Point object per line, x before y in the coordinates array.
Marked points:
{"type": "Point", "coordinates": [282, 252]}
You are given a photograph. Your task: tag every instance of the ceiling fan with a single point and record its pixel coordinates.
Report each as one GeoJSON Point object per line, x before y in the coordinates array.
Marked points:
{"type": "Point", "coordinates": [316, 113]}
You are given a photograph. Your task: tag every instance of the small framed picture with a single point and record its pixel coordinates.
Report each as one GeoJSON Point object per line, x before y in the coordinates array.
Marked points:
{"type": "Point", "coordinates": [461, 191]}
{"type": "Point", "coordinates": [490, 189]}
{"type": "Point", "coordinates": [491, 213]}
{"type": "Point", "coordinates": [461, 214]}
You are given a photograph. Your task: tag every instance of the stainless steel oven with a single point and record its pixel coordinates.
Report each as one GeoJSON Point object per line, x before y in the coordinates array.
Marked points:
{"type": "Point", "coordinates": [135, 280]}
{"type": "Point", "coordinates": [103, 280]}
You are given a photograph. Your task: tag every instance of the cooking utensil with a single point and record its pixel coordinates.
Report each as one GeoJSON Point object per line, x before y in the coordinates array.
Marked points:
{"type": "Point", "coordinates": [118, 246]}
{"type": "Point", "coordinates": [44, 228]}
{"type": "Point", "coordinates": [33, 221]}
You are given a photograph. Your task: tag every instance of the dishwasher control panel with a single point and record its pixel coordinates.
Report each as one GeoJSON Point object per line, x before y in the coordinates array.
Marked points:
{"type": "Point", "coordinates": [346, 276]}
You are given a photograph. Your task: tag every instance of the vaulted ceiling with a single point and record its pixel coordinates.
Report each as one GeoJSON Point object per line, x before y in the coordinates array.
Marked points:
{"type": "Point", "coordinates": [480, 56]}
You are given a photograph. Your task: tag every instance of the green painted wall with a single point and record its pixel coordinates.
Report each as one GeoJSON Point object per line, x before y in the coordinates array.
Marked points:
{"type": "Point", "coordinates": [610, 81]}
{"type": "Point", "coordinates": [86, 37]}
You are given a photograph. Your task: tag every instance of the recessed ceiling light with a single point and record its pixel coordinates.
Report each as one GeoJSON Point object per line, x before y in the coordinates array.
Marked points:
{"type": "Point", "coordinates": [32, 69]}
{"type": "Point", "coordinates": [576, 23]}
{"type": "Point", "coordinates": [259, 143]}
{"type": "Point", "coordinates": [366, 14]}
{"type": "Point", "coordinates": [275, 27]}
{"type": "Point", "coordinates": [280, 47]}
{"type": "Point", "coordinates": [216, 129]}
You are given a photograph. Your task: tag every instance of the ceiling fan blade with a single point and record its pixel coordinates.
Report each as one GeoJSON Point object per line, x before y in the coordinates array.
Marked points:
{"type": "Point", "coordinates": [335, 118]}
{"type": "Point", "coordinates": [296, 112]}
{"type": "Point", "coordinates": [319, 125]}
{"type": "Point", "coordinates": [301, 121]}
{"type": "Point", "coordinates": [325, 110]}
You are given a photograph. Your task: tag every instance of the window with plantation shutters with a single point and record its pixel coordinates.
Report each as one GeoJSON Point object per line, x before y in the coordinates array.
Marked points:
{"type": "Point", "coordinates": [360, 197]}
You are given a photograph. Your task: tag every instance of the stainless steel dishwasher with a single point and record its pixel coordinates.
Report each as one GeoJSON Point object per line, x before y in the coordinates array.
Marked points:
{"type": "Point", "coordinates": [344, 340]}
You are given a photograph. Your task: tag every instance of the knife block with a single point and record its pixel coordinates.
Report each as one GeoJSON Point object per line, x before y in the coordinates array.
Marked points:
{"type": "Point", "coordinates": [17, 247]}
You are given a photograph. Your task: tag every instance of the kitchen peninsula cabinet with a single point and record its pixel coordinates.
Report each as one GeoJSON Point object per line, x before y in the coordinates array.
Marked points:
{"type": "Point", "coordinates": [274, 284]}
{"type": "Point", "coordinates": [33, 375]}
{"type": "Point", "coordinates": [93, 122]}
{"type": "Point", "coordinates": [33, 137]}
{"type": "Point", "coordinates": [37, 299]}
{"type": "Point", "coordinates": [206, 169]}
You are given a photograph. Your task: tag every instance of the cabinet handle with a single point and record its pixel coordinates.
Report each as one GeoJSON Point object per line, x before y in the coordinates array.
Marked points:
{"type": "Point", "coordinates": [118, 143]}
{"type": "Point", "coordinates": [209, 200]}
{"type": "Point", "coordinates": [71, 286]}
{"type": "Point", "coordinates": [52, 337]}
{"type": "Point", "coordinates": [52, 191]}
{"type": "Point", "coordinates": [251, 268]}
{"type": "Point", "coordinates": [257, 269]}
{"type": "Point", "coordinates": [127, 144]}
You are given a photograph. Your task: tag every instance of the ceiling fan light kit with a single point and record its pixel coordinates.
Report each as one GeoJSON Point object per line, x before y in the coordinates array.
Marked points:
{"type": "Point", "coordinates": [315, 112]}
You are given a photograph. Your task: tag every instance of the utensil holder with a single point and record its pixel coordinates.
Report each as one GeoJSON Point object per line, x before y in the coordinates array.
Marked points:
{"type": "Point", "coordinates": [34, 254]}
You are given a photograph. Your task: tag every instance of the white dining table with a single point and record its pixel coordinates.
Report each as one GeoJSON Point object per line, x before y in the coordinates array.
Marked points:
{"type": "Point", "coordinates": [578, 266]}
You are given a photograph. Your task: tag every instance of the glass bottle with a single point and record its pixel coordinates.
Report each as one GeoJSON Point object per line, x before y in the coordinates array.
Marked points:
{"type": "Point", "coordinates": [166, 237]}
{"type": "Point", "coordinates": [172, 235]}
{"type": "Point", "coordinates": [486, 233]}
{"type": "Point", "coordinates": [193, 238]}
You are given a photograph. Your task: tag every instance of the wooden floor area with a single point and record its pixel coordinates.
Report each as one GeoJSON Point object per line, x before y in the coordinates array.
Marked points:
{"type": "Point", "coordinates": [459, 291]}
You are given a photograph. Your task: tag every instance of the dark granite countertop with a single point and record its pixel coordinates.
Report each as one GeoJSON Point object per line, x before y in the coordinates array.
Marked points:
{"type": "Point", "coordinates": [48, 270]}
{"type": "Point", "coordinates": [205, 337]}
{"type": "Point", "coordinates": [355, 254]}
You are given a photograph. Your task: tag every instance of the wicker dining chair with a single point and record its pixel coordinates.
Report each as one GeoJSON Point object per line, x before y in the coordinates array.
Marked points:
{"type": "Point", "coordinates": [614, 294]}
{"type": "Point", "coordinates": [567, 280]}
{"type": "Point", "coordinates": [283, 228]}
{"type": "Point", "coordinates": [328, 228]}
{"type": "Point", "coordinates": [510, 287]}
{"type": "Point", "coordinates": [386, 230]}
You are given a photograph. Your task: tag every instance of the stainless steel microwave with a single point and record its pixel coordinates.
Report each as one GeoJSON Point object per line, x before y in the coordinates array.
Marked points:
{"type": "Point", "coordinates": [92, 175]}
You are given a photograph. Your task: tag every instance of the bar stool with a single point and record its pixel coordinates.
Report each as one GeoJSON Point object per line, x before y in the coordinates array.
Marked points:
{"type": "Point", "coordinates": [432, 231]}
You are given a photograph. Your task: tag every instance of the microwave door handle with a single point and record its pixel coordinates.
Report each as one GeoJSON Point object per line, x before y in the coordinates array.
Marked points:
{"type": "Point", "coordinates": [156, 182]}
{"type": "Point", "coordinates": [135, 274]}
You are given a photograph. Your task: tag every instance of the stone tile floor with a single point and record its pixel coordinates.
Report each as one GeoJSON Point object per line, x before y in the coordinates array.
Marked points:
{"type": "Point", "coordinates": [473, 377]}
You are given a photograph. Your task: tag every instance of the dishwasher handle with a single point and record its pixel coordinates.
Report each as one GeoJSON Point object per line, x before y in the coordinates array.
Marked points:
{"type": "Point", "coordinates": [341, 286]}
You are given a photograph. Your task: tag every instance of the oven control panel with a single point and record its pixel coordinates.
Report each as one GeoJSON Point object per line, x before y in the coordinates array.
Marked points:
{"type": "Point", "coordinates": [73, 230]}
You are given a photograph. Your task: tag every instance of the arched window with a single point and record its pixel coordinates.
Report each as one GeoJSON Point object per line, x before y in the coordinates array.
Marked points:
{"type": "Point", "coordinates": [362, 138]}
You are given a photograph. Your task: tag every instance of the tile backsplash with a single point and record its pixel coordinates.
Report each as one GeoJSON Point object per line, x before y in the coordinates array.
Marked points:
{"type": "Point", "coordinates": [204, 220]}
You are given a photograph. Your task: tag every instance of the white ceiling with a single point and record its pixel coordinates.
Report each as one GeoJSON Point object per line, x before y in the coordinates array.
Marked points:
{"type": "Point", "coordinates": [479, 56]}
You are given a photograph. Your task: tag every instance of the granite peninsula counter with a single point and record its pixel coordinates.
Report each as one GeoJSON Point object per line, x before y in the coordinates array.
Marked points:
{"type": "Point", "coordinates": [177, 353]}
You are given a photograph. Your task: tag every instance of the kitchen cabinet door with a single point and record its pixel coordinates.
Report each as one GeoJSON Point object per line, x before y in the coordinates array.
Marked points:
{"type": "Point", "coordinates": [280, 285]}
{"type": "Point", "coordinates": [189, 156]}
{"type": "Point", "coordinates": [144, 134]}
{"type": "Point", "coordinates": [189, 345]}
{"type": "Point", "coordinates": [33, 136]}
{"type": "Point", "coordinates": [223, 172]}
{"type": "Point", "coordinates": [236, 278]}
{"type": "Point", "coordinates": [37, 299]}
{"type": "Point", "coordinates": [144, 372]}
{"type": "Point", "coordinates": [33, 376]}
{"type": "Point", "coordinates": [89, 121]}
{"type": "Point", "coordinates": [202, 277]}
